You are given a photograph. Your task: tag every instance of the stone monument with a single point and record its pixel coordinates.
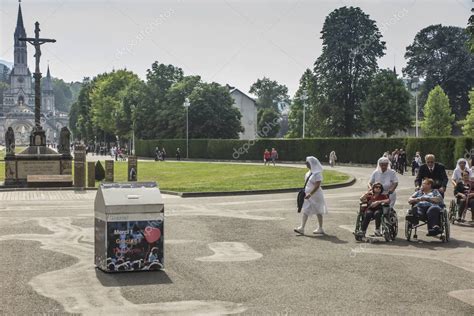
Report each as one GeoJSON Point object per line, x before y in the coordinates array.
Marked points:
{"type": "Point", "coordinates": [91, 174]}
{"type": "Point", "coordinates": [79, 166]}
{"type": "Point", "coordinates": [132, 168]}
{"type": "Point", "coordinates": [37, 163]}
{"type": "Point", "coordinates": [109, 171]}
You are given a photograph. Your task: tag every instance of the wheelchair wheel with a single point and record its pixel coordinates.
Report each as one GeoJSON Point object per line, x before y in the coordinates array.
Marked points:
{"type": "Point", "coordinates": [452, 211]}
{"type": "Point", "coordinates": [357, 228]}
{"type": "Point", "coordinates": [394, 229]}
{"type": "Point", "coordinates": [446, 227]}
{"type": "Point", "coordinates": [408, 229]}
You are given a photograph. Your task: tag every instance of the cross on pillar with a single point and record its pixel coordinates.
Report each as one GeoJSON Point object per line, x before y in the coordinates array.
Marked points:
{"type": "Point", "coordinates": [37, 42]}
{"type": "Point", "coordinates": [38, 136]}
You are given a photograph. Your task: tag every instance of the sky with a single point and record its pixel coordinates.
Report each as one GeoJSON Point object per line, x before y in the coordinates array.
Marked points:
{"type": "Point", "coordinates": [227, 41]}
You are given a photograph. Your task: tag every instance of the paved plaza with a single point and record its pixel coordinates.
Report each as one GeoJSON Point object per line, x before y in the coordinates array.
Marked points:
{"type": "Point", "coordinates": [231, 255]}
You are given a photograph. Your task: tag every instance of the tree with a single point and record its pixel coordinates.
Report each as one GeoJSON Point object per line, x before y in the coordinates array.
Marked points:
{"type": "Point", "coordinates": [211, 114]}
{"type": "Point", "coordinates": [171, 113]}
{"type": "Point", "coordinates": [270, 94]}
{"type": "Point", "coordinates": [468, 127]}
{"type": "Point", "coordinates": [149, 120]}
{"type": "Point", "coordinates": [438, 117]}
{"type": "Point", "coordinates": [387, 106]}
{"type": "Point", "coordinates": [351, 46]}
{"type": "Point", "coordinates": [295, 117]}
{"type": "Point", "coordinates": [470, 31]}
{"type": "Point", "coordinates": [112, 100]}
{"type": "Point", "coordinates": [268, 123]}
{"type": "Point", "coordinates": [80, 119]}
{"type": "Point", "coordinates": [439, 54]}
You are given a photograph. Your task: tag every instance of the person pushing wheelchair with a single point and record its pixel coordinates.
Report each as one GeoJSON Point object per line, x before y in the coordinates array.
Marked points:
{"type": "Point", "coordinates": [435, 171]}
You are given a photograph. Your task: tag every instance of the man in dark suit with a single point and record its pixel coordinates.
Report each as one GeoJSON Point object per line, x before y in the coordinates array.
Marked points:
{"type": "Point", "coordinates": [435, 171]}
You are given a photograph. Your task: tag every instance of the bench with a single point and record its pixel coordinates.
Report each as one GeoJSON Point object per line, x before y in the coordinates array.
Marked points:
{"type": "Point", "coordinates": [56, 180]}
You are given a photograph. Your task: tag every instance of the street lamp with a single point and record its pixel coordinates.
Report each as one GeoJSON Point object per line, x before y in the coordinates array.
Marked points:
{"type": "Point", "coordinates": [304, 97]}
{"type": "Point", "coordinates": [186, 105]}
{"type": "Point", "coordinates": [414, 86]}
{"type": "Point", "coordinates": [133, 106]}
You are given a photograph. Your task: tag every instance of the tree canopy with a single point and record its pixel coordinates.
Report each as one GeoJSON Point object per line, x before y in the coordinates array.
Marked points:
{"type": "Point", "coordinates": [439, 54]}
{"type": "Point", "coordinates": [387, 106]}
{"type": "Point", "coordinates": [351, 46]}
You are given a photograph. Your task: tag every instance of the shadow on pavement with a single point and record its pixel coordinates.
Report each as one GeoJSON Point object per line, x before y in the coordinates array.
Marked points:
{"type": "Point", "coordinates": [334, 239]}
{"type": "Point", "coordinates": [133, 278]}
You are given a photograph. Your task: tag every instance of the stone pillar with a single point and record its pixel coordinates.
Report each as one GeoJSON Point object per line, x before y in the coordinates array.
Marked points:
{"type": "Point", "coordinates": [79, 166]}
{"type": "Point", "coordinates": [91, 174]}
{"type": "Point", "coordinates": [132, 168]}
{"type": "Point", "coordinates": [109, 171]}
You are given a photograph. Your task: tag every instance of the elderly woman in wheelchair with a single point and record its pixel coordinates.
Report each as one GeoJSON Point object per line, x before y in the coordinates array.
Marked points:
{"type": "Point", "coordinates": [376, 205]}
{"type": "Point", "coordinates": [428, 207]}
{"type": "Point", "coordinates": [464, 199]}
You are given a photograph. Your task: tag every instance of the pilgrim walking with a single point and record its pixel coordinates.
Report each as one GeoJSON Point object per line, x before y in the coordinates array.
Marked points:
{"type": "Point", "coordinates": [314, 203]}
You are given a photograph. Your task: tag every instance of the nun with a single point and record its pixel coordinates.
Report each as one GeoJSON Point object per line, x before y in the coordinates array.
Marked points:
{"type": "Point", "coordinates": [387, 177]}
{"type": "Point", "coordinates": [314, 203]}
{"type": "Point", "coordinates": [461, 165]}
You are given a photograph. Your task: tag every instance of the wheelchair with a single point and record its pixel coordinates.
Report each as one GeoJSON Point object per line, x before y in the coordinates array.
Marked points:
{"type": "Point", "coordinates": [412, 222]}
{"type": "Point", "coordinates": [454, 211]}
{"type": "Point", "coordinates": [389, 222]}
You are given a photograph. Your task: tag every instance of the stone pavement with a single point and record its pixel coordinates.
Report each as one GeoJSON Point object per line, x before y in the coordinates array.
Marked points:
{"type": "Point", "coordinates": [230, 255]}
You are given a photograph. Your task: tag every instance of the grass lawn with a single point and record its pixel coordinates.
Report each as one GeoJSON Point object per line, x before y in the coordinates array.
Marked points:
{"type": "Point", "coordinates": [206, 177]}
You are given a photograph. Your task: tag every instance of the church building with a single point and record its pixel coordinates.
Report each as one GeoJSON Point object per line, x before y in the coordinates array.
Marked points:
{"type": "Point", "coordinates": [17, 106]}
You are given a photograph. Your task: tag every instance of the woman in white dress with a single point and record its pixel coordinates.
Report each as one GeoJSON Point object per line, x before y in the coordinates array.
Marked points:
{"type": "Point", "coordinates": [387, 177]}
{"type": "Point", "coordinates": [314, 203]}
{"type": "Point", "coordinates": [462, 165]}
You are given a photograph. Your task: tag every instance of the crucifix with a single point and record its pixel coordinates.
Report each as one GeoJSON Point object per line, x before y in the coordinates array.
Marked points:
{"type": "Point", "coordinates": [37, 42]}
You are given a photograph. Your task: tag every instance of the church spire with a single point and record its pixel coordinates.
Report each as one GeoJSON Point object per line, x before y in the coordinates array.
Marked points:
{"type": "Point", "coordinates": [47, 82]}
{"type": "Point", "coordinates": [20, 52]}
{"type": "Point", "coordinates": [20, 28]}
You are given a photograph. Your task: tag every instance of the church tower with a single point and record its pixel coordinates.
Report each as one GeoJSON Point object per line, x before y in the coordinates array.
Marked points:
{"type": "Point", "coordinates": [20, 51]}
{"type": "Point", "coordinates": [20, 76]}
{"type": "Point", "coordinates": [47, 94]}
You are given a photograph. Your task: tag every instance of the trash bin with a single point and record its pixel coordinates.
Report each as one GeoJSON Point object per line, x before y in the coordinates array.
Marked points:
{"type": "Point", "coordinates": [129, 223]}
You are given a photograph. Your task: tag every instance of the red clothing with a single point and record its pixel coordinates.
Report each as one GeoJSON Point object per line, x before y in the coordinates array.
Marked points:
{"type": "Point", "coordinates": [373, 198]}
{"type": "Point", "coordinates": [266, 155]}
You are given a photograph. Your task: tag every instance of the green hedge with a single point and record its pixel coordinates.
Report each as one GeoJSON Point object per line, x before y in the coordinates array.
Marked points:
{"type": "Point", "coordinates": [355, 150]}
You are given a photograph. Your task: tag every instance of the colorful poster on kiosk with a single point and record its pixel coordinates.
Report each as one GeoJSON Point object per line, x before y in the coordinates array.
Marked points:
{"type": "Point", "coordinates": [135, 245]}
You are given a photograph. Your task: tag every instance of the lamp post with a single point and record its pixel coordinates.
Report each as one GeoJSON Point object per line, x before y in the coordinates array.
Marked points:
{"type": "Point", "coordinates": [133, 128]}
{"type": "Point", "coordinates": [414, 86]}
{"type": "Point", "coordinates": [304, 97]}
{"type": "Point", "coordinates": [186, 105]}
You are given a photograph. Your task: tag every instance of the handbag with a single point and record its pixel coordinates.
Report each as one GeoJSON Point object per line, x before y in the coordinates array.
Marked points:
{"type": "Point", "coordinates": [301, 195]}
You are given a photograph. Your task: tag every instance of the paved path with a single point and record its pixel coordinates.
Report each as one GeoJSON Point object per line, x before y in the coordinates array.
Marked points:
{"type": "Point", "coordinates": [229, 255]}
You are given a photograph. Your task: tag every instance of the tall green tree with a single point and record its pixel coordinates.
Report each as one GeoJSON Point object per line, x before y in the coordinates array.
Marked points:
{"type": "Point", "coordinates": [470, 31]}
{"type": "Point", "coordinates": [270, 97]}
{"type": "Point", "coordinates": [351, 46]}
{"type": "Point", "coordinates": [268, 123]}
{"type": "Point", "coordinates": [112, 100]}
{"type": "Point", "coordinates": [440, 55]}
{"type": "Point", "coordinates": [212, 114]}
{"type": "Point", "coordinates": [80, 118]}
{"type": "Point", "coordinates": [150, 122]}
{"type": "Point", "coordinates": [387, 108]}
{"type": "Point", "coordinates": [468, 126]}
{"type": "Point", "coordinates": [172, 113]}
{"type": "Point", "coordinates": [438, 117]}
{"type": "Point", "coordinates": [315, 114]}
